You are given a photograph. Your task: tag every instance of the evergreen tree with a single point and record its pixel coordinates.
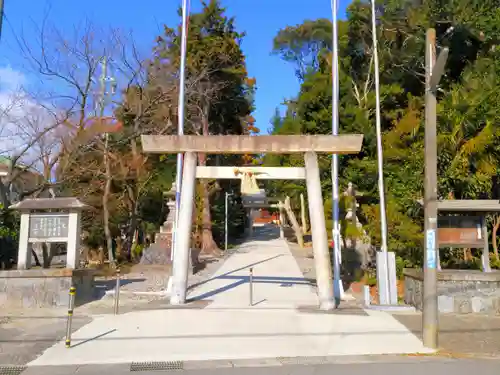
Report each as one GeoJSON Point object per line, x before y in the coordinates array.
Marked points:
{"type": "Point", "coordinates": [468, 116]}
{"type": "Point", "coordinates": [219, 94]}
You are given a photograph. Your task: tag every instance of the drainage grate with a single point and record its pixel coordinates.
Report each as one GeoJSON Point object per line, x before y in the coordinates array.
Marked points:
{"type": "Point", "coordinates": [301, 361]}
{"type": "Point", "coordinates": [155, 366]}
{"type": "Point", "coordinates": [12, 370]}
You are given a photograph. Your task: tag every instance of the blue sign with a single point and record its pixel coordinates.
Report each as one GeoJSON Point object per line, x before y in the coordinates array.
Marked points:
{"type": "Point", "coordinates": [430, 238]}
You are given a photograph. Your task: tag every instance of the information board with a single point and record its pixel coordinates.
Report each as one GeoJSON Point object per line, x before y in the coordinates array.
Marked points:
{"type": "Point", "coordinates": [460, 231]}
{"type": "Point", "coordinates": [48, 225]}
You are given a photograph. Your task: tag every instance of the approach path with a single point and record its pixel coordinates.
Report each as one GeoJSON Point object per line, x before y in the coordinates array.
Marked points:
{"type": "Point", "coordinates": [281, 323]}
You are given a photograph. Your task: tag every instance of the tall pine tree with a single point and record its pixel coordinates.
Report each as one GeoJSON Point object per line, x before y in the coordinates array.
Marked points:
{"type": "Point", "coordinates": [219, 93]}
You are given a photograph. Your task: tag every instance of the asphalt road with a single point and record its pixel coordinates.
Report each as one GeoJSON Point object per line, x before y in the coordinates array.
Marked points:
{"type": "Point", "coordinates": [415, 366]}
{"type": "Point", "coordinates": [24, 338]}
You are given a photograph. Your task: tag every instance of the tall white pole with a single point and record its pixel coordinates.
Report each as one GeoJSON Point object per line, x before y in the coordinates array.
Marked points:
{"type": "Point", "coordinates": [180, 115]}
{"type": "Point", "coordinates": [335, 161]}
{"type": "Point", "coordinates": [380, 155]}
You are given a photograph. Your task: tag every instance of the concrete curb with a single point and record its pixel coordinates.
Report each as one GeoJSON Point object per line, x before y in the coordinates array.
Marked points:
{"type": "Point", "coordinates": [162, 294]}
{"type": "Point", "coordinates": [247, 363]}
{"type": "Point", "coordinates": [390, 308]}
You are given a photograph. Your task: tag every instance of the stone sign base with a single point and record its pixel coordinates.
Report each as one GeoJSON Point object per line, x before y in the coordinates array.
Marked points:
{"type": "Point", "coordinates": [459, 291]}
{"type": "Point", "coordinates": [45, 287]}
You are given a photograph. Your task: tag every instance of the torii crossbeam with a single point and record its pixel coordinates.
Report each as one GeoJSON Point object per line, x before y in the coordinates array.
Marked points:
{"type": "Point", "coordinates": [246, 144]}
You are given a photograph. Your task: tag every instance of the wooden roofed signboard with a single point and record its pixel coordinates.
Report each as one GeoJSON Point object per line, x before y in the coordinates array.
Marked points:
{"type": "Point", "coordinates": [49, 220]}
{"type": "Point", "coordinates": [463, 224]}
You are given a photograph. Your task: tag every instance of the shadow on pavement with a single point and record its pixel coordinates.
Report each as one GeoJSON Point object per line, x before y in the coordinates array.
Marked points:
{"type": "Point", "coordinates": [284, 281]}
{"type": "Point", "coordinates": [93, 338]}
{"type": "Point", "coordinates": [233, 271]}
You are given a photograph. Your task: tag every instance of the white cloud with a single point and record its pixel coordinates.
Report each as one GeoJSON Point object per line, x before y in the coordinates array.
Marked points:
{"type": "Point", "coordinates": [11, 80]}
{"type": "Point", "coordinates": [22, 120]}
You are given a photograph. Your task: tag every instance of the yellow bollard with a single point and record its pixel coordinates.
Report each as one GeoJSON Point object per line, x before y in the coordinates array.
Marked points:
{"type": "Point", "coordinates": [72, 293]}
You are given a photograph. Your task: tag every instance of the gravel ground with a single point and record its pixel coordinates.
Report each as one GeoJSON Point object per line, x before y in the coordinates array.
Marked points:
{"type": "Point", "coordinates": [304, 258]}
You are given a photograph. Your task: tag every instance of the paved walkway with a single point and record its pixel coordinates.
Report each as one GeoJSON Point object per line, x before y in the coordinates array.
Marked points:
{"type": "Point", "coordinates": [230, 329]}
{"type": "Point", "coordinates": [277, 279]}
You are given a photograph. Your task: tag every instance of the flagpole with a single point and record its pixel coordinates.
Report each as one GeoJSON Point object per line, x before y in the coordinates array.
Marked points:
{"type": "Point", "coordinates": [380, 156]}
{"type": "Point", "coordinates": [180, 115]}
{"type": "Point", "coordinates": [338, 290]}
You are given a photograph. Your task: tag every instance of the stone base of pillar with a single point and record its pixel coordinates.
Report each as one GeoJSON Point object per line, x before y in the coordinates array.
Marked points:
{"type": "Point", "coordinates": [159, 253]}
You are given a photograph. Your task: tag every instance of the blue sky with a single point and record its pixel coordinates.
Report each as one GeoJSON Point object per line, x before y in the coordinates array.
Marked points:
{"type": "Point", "coordinates": [260, 19]}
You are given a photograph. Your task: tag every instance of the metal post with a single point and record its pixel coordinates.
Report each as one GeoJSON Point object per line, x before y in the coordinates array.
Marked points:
{"type": "Point", "coordinates": [366, 294]}
{"type": "Point", "coordinates": [72, 293]}
{"type": "Point", "coordinates": [250, 222]}
{"type": "Point", "coordinates": [485, 256]}
{"type": "Point", "coordinates": [250, 278]}
{"type": "Point", "coordinates": [335, 161]}
{"type": "Point", "coordinates": [226, 230]}
{"type": "Point", "coordinates": [430, 303]}
{"type": "Point", "coordinates": [117, 291]}
{"type": "Point", "coordinates": [281, 220]}
{"type": "Point", "coordinates": [380, 156]}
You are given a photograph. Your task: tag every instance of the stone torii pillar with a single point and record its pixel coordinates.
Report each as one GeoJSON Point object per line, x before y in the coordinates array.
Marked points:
{"type": "Point", "coordinates": [319, 236]}
{"type": "Point", "coordinates": [271, 144]}
{"type": "Point", "coordinates": [183, 235]}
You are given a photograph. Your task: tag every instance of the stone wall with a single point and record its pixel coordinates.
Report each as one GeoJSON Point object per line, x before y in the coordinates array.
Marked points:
{"type": "Point", "coordinates": [459, 291]}
{"type": "Point", "coordinates": [44, 287]}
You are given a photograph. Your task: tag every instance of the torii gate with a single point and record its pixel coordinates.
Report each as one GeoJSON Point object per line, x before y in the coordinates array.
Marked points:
{"type": "Point", "coordinates": [251, 201]}
{"type": "Point", "coordinates": [309, 145]}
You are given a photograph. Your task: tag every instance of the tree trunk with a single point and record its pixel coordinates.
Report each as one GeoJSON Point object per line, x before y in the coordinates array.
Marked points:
{"type": "Point", "coordinates": [105, 204]}
{"type": "Point", "coordinates": [133, 233]}
{"type": "Point", "coordinates": [494, 236]}
{"type": "Point", "coordinates": [133, 194]}
{"type": "Point", "coordinates": [132, 226]}
{"type": "Point", "coordinates": [295, 224]}
{"type": "Point", "coordinates": [303, 216]}
{"type": "Point", "coordinates": [468, 255]}
{"type": "Point", "coordinates": [48, 254]}
{"type": "Point", "coordinates": [37, 261]}
{"type": "Point", "coordinates": [208, 245]}
{"type": "Point", "coordinates": [4, 196]}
